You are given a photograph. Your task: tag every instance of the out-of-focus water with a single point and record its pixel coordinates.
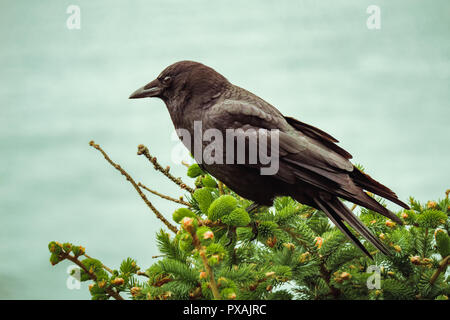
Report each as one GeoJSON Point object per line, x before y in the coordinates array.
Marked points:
{"type": "Point", "coordinates": [383, 93]}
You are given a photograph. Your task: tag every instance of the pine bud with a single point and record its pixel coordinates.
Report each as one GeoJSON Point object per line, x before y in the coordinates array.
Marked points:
{"type": "Point", "coordinates": [208, 235]}
{"type": "Point", "coordinates": [404, 215]}
{"type": "Point", "coordinates": [232, 296]}
{"type": "Point", "coordinates": [345, 275]}
{"type": "Point", "coordinates": [204, 198]}
{"type": "Point", "coordinates": [271, 241]}
{"type": "Point", "coordinates": [415, 260]}
{"type": "Point", "coordinates": [431, 205]}
{"type": "Point", "coordinates": [382, 236]}
{"type": "Point", "coordinates": [304, 257]}
{"type": "Point", "coordinates": [194, 171]}
{"type": "Point", "coordinates": [117, 281]}
{"type": "Point", "coordinates": [203, 275]}
{"type": "Point", "coordinates": [135, 291]}
{"type": "Point", "coordinates": [209, 182]}
{"type": "Point", "coordinates": [289, 245]}
{"type": "Point", "coordinates": [78, 250]}
{"type": "Point", "coordinates": [67, 246]}
{"type": "Point", "coordinates": [270, 274]}
{"type": "Point", "coordinates": [238, 218]}
{"type": "Point", "coordinates": [187, 223]}
{"type": "Point", "coordinates": [397, 248]}
{"type": "Point", "coordinates": [390, 224]}
{"type": "Point", "coordinates": [54, 259]}
{"type": "Point", "coordinates": [318, 242]}
{"type": "Point", "coordinates": [221, 206]}
{"type": "Point", "coordinates": [180, 213]}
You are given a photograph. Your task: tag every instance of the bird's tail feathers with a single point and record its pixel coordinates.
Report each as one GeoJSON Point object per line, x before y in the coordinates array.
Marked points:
{"type": "Point", "coordinates": [366, 182]}
{"type": "Point", "coordinates": [362, 199]}
{"type": "Point", "coordinates": [339, 213]}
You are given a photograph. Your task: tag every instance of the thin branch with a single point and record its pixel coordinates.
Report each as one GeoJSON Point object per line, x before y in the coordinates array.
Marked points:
{"type": "Point", "coordinates": [110, 291]}
{"type": "Point", "coordinates": [164, 196]}
{"type": "Point", "coordinates": [139, 191]}
{"type": "Point", "coordinates": [442, 268]}
{"type": "Point", "coordinates": [209, 271]}
{"type": "Point", "coordinates": [143, 150]}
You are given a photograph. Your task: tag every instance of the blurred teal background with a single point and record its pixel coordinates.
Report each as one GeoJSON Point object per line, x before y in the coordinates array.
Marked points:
{"type": "Point", "coordinates": [383, 93]}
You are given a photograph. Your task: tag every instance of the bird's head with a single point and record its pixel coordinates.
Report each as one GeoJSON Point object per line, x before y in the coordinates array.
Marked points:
{"type": "Point", "coordinates": [181, 80]}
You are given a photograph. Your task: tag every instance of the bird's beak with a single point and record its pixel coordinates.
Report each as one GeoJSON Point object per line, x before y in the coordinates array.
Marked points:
{"type": "Point", "coordinates": [152, 89]}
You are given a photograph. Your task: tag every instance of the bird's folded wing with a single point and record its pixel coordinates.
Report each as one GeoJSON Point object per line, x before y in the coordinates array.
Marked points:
{"type": "Point", "coordinates": [302, 158]}
{"type": "Point", "coordinates": [295, 147]}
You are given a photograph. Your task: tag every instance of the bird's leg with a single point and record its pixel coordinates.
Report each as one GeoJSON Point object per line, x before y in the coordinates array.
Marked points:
{"type": "Point", "coordinates": [252, 207]}
{"type": "Point", "coordinates": [254, 230]}
{"type": "Point", "coordinates": [231, 233]}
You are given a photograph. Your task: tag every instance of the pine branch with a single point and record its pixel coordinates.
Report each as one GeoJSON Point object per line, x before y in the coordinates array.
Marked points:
{"type": "Point", "coordinates": [110, 291]}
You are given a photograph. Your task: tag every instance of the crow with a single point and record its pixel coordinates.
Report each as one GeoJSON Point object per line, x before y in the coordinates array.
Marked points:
{"type": "Point", "coordinates": [313, 169]}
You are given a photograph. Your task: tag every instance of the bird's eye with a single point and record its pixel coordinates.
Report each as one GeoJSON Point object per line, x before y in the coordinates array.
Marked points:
{"type": "Point", "coordinates": [167, 80]}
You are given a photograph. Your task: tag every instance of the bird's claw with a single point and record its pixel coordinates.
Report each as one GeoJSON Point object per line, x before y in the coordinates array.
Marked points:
{"type": "Point", "coordinates": [252, 207]}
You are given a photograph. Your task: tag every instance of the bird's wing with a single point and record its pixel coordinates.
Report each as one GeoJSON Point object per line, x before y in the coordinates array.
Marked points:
{"type": "Point", "coordinates": [294, 144]}
{"type": "Point", "coordinates": [306, 153]}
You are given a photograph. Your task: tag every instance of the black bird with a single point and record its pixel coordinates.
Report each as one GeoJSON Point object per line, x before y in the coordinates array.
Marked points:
{"type": "Point", "coordinates": [313, 169]}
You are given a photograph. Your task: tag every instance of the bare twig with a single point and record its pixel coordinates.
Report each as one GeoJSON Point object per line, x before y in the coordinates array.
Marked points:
{"type": "Point", "coordinates": [143, 150]}
{"type": "Point", "coordinates": [164, 196]}
{"type": "Point", "coordinates": [139, 191]}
